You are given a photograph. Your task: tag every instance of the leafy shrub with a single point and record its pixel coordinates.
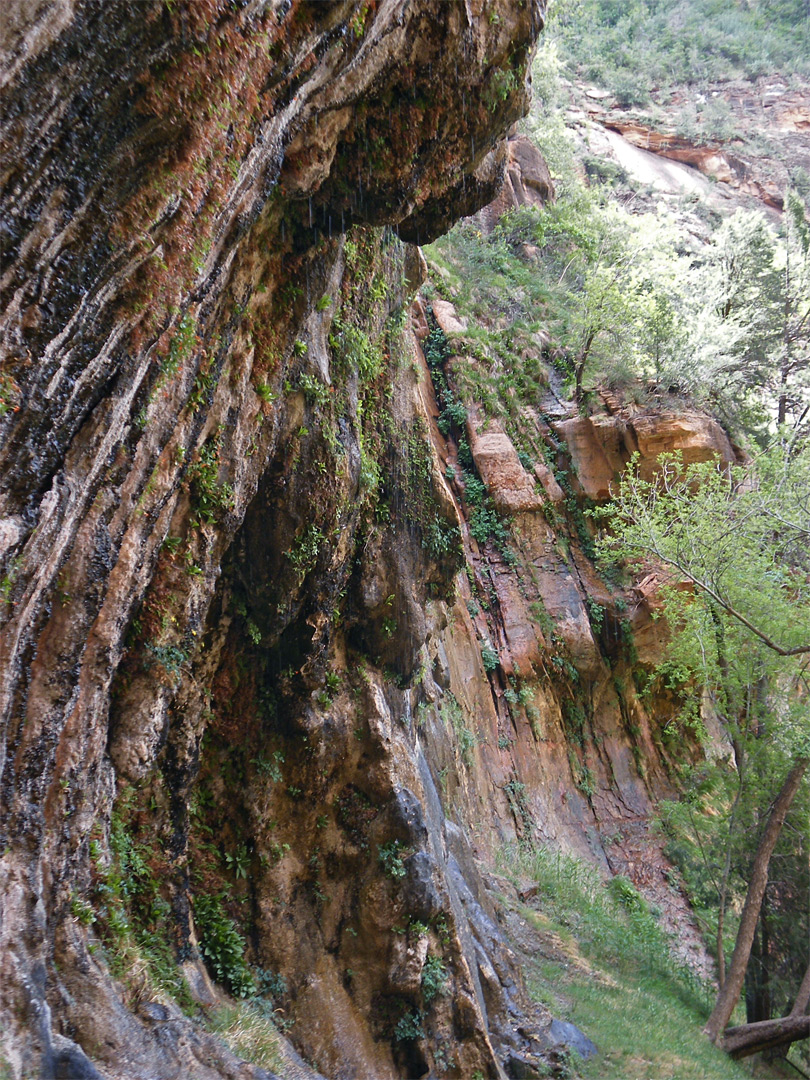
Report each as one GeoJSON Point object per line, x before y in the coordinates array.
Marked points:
{"type": "Point", "coordinates": [212, 499]}
{"type": "Point", "coordinates": [270, 984]}
{"type": "Point", "coordinates": [390, 856]}
{"type": "Point", "coordinates": [409, 1027]}
{"type": "Point", "coordinates": [440, 537]}
{"type": "Point", "coordinates": [630, 89]}
{"type": "Point", "coordinates": [304, 551]}
{"type": "Point", "coordinates": [490, 658]}
{"type": "Point", "coordinates": [623, 890]}
{"type": "Point", "coordinates": [222, 946]}
{"type": "Point", "coordinates": [315, 391]}
{"type": "Point", "coordinates": [435, 348]}
{"type": "Point", "coordinates": [434, 979]}
{"type": "Point", "coordinates": [475, 490]}
{"type": "Point", "coordinates": [453, 415]}
{"type": "Point", "coordinates": [486, 522]}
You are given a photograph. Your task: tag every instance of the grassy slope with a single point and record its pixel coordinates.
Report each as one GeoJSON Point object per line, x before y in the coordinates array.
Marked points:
{"type": "Point", "coordinates": [602, 962]}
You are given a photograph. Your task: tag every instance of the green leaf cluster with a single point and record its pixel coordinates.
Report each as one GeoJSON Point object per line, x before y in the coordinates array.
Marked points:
{"type": "Point", "coordinates": [222, 946]}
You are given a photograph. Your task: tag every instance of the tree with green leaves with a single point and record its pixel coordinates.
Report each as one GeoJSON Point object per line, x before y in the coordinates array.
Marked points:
{"type": "Point", "coordinates": [794, 324]}
{"type": "Point", "coordinates": [751, 317]}
{"type": "Point", "coordinates": [732, 549]}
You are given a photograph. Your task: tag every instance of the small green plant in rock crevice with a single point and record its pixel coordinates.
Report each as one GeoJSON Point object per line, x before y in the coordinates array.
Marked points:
{"type": "Point", "coordinates": [303, 554]}
{"type": "Point", "coordinates": [238, 861]}
{"type": "Point", "coordinates": [516, 795]}
{"type": "Point", "coordinates": [439, 536]}
{"type": "Point", "coordinates": [181, 345]}
{"type": "Point", "coordinates": [317, 393]}
{"type": "Point", "coordinates": [451, 714]}
{"type": "Point", "coordinates": [222, 946]}
{"type": "Point", "coordinates": [434, 979]}
{"type": "Point", "coordinates": [409, 1027]}
{"type": "Point", "coordinates": [390, 856]}
{"type": "Point", "coordinates": [211, 498]}
{"type": "Point", "coordinates": [485, 521]}
{"type": "Point", "coordinates": [489, 657]}
{"type": "Point", "coordinates": [130, 915]}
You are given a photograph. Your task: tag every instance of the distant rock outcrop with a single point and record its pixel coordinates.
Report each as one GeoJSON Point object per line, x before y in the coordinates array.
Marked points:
{"type": "Point", "coordinates": [601, 446]}
{"type": "Point", "coordinates": [756, 173]}
{"type": "Point", "coordinates": [527, 182]}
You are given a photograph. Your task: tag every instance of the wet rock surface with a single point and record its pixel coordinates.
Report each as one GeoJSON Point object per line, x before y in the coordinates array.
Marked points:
{"type": "Point", "coordinates": [244, 682]}
{"type": "Point", "coordinates": [179, 306]}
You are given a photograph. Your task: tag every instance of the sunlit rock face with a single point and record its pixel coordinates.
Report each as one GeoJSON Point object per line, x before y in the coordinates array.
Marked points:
{"type": "Point", "coordinates": [602, 446]}
{"type": "Point", "coordinates": [758, 178]}
{"type": "Point", "coordinates": [194, 452]}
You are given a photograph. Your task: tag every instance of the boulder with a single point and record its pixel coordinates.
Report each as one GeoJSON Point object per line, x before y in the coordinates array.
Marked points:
{"type": "Point", "coordinates": [513, 489]}
{"type": "Point", "coordinates": [447, 318]}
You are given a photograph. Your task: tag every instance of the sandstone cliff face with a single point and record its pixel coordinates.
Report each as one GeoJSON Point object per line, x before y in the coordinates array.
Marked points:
{"type": "Point", "coordinates": [176, 185]}
{"type": "Point", "coordinates": [243, 683]}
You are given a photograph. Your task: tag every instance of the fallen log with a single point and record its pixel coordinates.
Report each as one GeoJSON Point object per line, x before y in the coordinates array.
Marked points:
{"type": "Point", "coordinates": [765, 1035]}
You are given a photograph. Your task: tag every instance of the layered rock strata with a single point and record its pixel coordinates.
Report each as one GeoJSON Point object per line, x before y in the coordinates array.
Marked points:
{"type": "Point", "coordinates": [177, 181]}
{"type": "Point", "coordinates": [268, 706]}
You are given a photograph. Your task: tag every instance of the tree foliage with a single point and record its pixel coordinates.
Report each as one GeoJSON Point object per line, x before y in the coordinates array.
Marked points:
{"type": "Point", "coordinates": [730, 548]}
{"type": "Point", "coordinates": [631, 47]}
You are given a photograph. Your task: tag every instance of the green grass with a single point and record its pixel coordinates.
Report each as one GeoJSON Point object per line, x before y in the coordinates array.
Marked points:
{"type": "Point", "coordinates": [645, 1028]}
{"type": "Point", "coordinates": [615, 977]}
{"type": "Point", "coordinates": [507, 303]}
{"type": "Point", "coordinates": [250, 1033]}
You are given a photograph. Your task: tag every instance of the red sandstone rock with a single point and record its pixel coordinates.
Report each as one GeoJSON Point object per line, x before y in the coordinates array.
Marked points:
{"type": "Point", "coordinates": [601, 446]}
{"type": "Point", "coordinates": [527, 182]}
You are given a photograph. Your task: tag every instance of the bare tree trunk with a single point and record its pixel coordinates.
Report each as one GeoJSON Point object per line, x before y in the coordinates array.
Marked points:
{"type": "Point", "coordinates": [721, 954]}
{"type": "Point", "coordinates": [739, 758]}
{"type": "Point", "coordinates": [781, 416]}
{"type": "Point", "coordinates": [582, 360]}
{"type": "Point", "coordinates": [772, 1034]}
{"type": "Point", "coordinates": [803, 995]}
{"type": "Point", "coordinates": [757, 975]}
{"type": "Point", "coordinates": [735, 976]}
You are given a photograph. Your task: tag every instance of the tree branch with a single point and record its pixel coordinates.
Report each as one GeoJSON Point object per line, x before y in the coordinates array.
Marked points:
{"type": "Point", "coordinates": [798, 650]}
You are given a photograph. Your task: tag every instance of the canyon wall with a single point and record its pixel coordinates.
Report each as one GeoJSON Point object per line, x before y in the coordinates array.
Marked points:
{"type": "Point", "coordinates": [266, 701]}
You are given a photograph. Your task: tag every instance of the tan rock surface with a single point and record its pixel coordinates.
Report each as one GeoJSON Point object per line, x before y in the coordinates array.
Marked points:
{"type": "Point", "coordinates": [447, 318]}
{"type": "Point", "coordinates": [694, 436]}
{"type": "Point", "coordinates": [527, 182]}
{"type": "Point", "coordinates": [513, 489]}
{"type": "Point", "coordinates": [601, 446]}
{"type": "Point", "coordinates": [592, 447]}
